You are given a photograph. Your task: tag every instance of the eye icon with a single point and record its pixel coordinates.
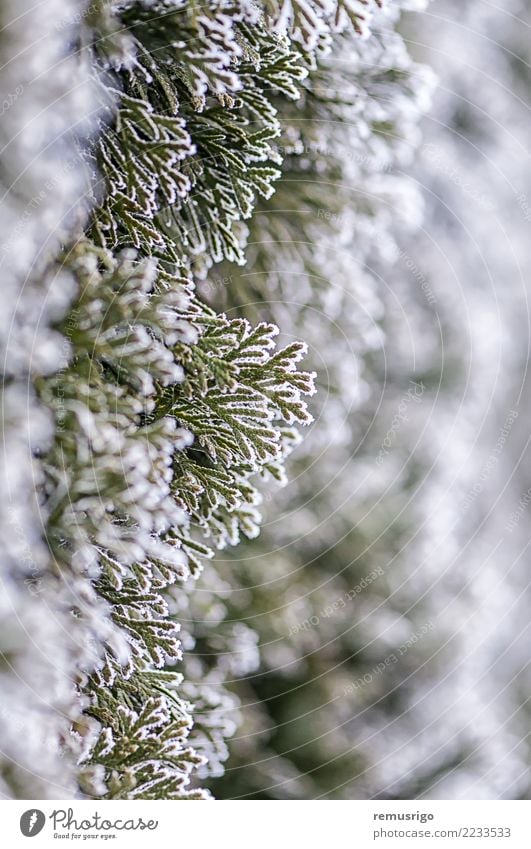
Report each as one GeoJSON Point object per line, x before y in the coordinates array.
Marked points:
{"type": "Point", "coordinates": [32, 822]}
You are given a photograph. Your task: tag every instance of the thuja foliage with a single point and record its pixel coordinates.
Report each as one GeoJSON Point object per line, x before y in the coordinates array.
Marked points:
{"type": "Point", "coordinates": [164, 415]}
{"type": "Point", "coordinates": [167, 413]}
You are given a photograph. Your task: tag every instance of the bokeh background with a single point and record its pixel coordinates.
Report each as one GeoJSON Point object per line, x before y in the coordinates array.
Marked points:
{"type": "Point", "coordinates": [376, 635]}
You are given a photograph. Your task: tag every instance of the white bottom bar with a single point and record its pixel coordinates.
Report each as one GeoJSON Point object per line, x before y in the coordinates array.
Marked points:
{"type": "Point", "coordinates": [268, 825]}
